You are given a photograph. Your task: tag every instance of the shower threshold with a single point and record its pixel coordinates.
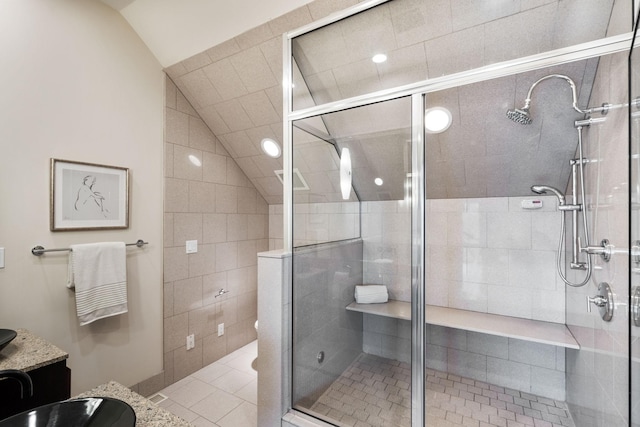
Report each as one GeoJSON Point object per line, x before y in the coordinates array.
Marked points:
{"type": "Point", "coordinates": [374, 391]}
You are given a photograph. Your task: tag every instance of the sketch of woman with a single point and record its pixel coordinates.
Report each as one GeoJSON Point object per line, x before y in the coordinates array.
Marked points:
{"type": "Point", "coordinates": [86, 194]}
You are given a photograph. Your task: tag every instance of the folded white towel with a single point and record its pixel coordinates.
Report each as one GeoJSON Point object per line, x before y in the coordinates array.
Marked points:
{"type": "Point", "coordinates": [371, 294]}
{"type": "Point", "coordinates": [98, 272]}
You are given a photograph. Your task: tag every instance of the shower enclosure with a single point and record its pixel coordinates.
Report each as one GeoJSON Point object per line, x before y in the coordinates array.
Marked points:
{"type": "Point", "coordinates": [478, 327]}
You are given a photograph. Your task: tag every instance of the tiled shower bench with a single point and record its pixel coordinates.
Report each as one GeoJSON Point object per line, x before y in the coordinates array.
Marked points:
{"type": "Point", "coordinates": [493, 324]}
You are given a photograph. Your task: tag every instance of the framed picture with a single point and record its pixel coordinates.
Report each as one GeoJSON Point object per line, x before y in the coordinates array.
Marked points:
{"type": "Point", "coordinates": [87, 196]}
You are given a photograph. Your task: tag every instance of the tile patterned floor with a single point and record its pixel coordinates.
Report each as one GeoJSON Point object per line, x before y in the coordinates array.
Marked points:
{"type": "Point", "coordinates": [376, 392]}
{"type": "Point", "coordinates": [223, 394]}
{"type": "Point", "coordinates": [372, 392]}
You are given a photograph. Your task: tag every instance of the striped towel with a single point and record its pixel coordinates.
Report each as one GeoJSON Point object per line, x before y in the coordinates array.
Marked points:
{"type": "Point", "coordinates": [98, 272]}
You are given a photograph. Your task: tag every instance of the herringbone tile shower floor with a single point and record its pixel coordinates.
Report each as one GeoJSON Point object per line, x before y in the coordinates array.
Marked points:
{"type": "Point", "coordinates": [375, 391]}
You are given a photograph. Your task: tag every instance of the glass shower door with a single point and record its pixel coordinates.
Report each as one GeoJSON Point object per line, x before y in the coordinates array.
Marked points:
{"type": "Point", "coordinates": [355, 183]}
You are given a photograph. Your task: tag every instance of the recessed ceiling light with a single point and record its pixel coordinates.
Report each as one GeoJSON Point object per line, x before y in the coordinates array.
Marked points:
{"type": "Point", "coordinates": [271, 148]}
{"type": "Point", "coordinates": [379, 58]}
{"type": "Point", "coordinates": [437, 119]}
{"type": "Point", "coordinates": [378, 181]}
{"type": "Point", "coordinates": [193, 159]}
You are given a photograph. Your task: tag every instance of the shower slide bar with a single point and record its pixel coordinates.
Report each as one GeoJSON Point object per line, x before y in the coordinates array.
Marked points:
{"type": "Point", "coordinates": [39, 250]}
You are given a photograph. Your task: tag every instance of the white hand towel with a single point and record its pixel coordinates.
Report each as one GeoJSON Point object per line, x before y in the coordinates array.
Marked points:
{"type": "Point", "coordinates": [98, 271]}
{"type": "Point", "coordinates": [371, 294]}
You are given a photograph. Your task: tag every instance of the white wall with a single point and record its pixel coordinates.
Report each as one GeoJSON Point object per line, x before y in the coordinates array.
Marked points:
{"type": "Point", "coordinates": [78, 84]}
{"type": "Point", "coordinates": [176, 30]}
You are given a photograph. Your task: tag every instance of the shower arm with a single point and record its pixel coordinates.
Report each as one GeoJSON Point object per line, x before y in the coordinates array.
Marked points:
{"type": "Point", "coordinates": [603, 109]}
{"type": "Point", "coordinates": [527, 101]}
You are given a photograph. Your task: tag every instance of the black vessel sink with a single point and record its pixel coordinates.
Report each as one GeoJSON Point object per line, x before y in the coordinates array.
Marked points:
{"type": "Point", "coordinates": [86, 412]}
{"type": "Point", "coordinates": [6, 336]}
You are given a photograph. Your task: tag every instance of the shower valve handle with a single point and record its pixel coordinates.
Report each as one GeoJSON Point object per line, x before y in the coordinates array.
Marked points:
{"type": "Point", "coordinates": [604, 301]}
{"type": "Point", "coordinates": [598, 301]}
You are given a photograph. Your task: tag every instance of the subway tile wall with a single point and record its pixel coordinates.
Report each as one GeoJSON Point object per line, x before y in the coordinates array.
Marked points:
{"type": "Point", "coordinates": [217, 205]}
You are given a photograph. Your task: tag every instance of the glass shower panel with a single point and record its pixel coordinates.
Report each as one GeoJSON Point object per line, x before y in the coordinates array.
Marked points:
{"type": "Point", "coordinates": [350, 365]}
{"type": "Point", "coordinates": [401, 42]}
{"type": "Point", "coordinates": [634, 216]}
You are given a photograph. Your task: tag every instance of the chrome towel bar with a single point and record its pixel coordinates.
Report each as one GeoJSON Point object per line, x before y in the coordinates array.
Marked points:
{"type": "Point", "coordinates": [39, 250]}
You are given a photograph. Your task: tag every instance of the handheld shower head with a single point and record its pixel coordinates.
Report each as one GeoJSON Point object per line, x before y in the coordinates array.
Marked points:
{"type": "Point", "coordinates": [542, 189]}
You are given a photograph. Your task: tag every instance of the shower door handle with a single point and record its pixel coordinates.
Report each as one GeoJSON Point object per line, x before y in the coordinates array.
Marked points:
{"type": "Point", "coordinates": [604, 301]}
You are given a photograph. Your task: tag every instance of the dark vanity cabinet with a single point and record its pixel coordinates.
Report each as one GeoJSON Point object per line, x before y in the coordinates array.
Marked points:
{"type": "Point", "coordinates": [45, 364]}
{"type": "Point", "coordinates": [51, 383]}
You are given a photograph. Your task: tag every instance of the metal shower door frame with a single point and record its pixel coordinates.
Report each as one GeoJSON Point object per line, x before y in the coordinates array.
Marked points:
{"type": "Point", "coordinates": [418, 92]}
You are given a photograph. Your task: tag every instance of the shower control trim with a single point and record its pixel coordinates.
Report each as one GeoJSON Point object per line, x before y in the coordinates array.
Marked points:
{"type": "Point", "coordinates": [604, 301]}
{"type": "Point", "coordinates": [635, 252]}
{"type": "Point", "coordinates": [635, 305]}
{"type": "Point", "coordinates": [604, 250]}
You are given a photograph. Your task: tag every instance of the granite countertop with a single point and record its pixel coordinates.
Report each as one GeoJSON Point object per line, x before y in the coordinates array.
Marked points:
{"type": "Point", "coordinates": [148, 414]}
{"type": "Point", "coordinates": [28, 352]}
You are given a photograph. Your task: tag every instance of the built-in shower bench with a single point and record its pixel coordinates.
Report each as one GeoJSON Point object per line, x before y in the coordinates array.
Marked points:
{"type": "Point", "coordinates": [493, 324]}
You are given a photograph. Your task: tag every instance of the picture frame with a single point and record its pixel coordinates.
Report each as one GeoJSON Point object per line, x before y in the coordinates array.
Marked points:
{"type": "Point", "coordinates": [88, 196]}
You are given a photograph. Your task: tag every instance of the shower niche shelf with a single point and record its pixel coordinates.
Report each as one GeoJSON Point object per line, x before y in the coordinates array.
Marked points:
{"type": "Point", "coordinates": [492, 324]}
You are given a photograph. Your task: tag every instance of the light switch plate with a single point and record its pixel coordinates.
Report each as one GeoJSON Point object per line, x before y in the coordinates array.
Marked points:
{"type": "Point", "coordinates": [192, 246]}
{"type": "Point", "coordinates": [191, 341]}
{"type": "Point", "coordinates": [1, 257]}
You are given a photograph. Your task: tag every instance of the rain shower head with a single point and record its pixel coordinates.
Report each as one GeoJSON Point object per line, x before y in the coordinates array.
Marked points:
{"type": "Point", "coordinates": [520, 115]}
{"type": "Point", "coordinates": [542, 189]}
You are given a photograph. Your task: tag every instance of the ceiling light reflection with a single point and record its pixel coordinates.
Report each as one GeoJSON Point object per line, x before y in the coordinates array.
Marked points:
{"type": "Point", "coordinates": [271, 148]}
{"type": "Point", "coordinates": [345, 174]}
{"type": "Point", "coordinates": [379, 58]}
{"type": "Point", "coordinates": [437, 119]}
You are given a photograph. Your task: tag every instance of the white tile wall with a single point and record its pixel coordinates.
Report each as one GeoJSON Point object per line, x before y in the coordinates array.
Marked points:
{"type": "Point", "coordinates": [483, 254]}
{"type": "Point", "coordinates": [507, 254]}
{"type": "Point", "coordinates": [315, 223]}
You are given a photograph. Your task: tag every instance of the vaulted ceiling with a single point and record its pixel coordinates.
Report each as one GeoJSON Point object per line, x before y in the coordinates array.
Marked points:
{"type": "Point", "coordinates": [236, 88]}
